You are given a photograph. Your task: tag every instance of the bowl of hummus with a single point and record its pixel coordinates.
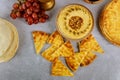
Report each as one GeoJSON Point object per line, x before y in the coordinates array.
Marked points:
{"type": "Point", "coordinates": [75, 22]}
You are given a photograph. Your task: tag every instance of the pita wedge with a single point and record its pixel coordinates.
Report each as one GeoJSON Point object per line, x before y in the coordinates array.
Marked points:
{"type": "Point", "coordinates": [73, 62]}
{"type": "Point", "coordinates": [59, 69]}
{"type": "Point", "coordinates": [55, 39]}
{"type": "Point", "coordinates": [48, 53]}
{"type": "Point", "coordinates": [54, 52]}
{"type": "Point", "coordinates": [90, 44]}
{"type": "Point", "coordinates": [81, 59]}
{"type": "Point", "coordinates": [40, 39]}
{"type": "Point", "coordinates": [109, 22]}
{"type": "Point", "coordinates": [76, 60]}
{"type": "Point", "coordinates": [65, 50]}
{"type": "Point", "coordinates": [88, 59]}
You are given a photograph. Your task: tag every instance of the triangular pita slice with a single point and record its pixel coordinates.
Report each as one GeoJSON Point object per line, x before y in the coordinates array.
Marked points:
{"type": "Point", "coordinates": [73, 62]}
{"type": "Point", "coordinates": [55, 39]}
{"type": "Point", "coordinates": [90, 44]}
{"type": "Point", "coordinates": [48, 53]}
{"type": "Point", "coordinates": [65, 50]}
{"type": "Point", "coordinates": [54, 52]}
{"type": "Point", "coordinates": [59, 69]}
{"type": "Point", "coordinates": [40, 39]}
{"type": "Point", "coordinates": [88, 59]}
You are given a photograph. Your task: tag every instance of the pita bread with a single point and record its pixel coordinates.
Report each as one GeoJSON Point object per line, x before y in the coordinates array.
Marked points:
{"type": "Point", "coordinates": [90, 44]}
{"type": "Point", "coordinates": [59, 69]}
{"type": "Point", "coordinates": [12, 34]}
{"type": "Point", "coordinates": [65, 50]}
{"type": "Point", "coordinates": [55, 39]}
{"type": "Point", "coordinates": [49, 55]}
{"type": "Point", "coordinates": [40, 39]}
{"type": "Point", "coordinates": [73, 61]}
{"type": "Point", "coordinates": [88, 59]}
{"type": "Point", "coordinates": [109, 22]}
{"type": "Point", "coordinates": [54, 52]}
{"type": "Point", "coordinates": [6, 37]}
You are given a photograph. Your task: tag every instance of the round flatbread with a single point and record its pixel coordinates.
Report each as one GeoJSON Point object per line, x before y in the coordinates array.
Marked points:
{"type": "Point", "coordinates": [110, 22]}
{"type": "Point", "coordinates": [8, 39]}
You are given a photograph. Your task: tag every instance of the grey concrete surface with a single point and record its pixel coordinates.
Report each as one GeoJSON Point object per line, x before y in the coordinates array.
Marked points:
{"type": "Point", "coordinates": [26, 65]}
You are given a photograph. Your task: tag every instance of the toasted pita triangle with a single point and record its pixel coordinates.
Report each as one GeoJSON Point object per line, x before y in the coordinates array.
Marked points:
{"type": "Point", "coordinates": [73, 61]}
{"type": "Point", "coordinates": [54, 52]}
{"type": "Point", "coordinates": [40, 39]}
{"type": "Point", "coordinates": [59, 69]}
{"type": "Point", "coordinates": [65, 50]}
{"type": "Point", "coordinates": [48, 53]}
{"type": "Point", "coordinates": [55, 39]}
{"type": "Point", "coordinates": [90, 44]}
{"type": "Point", "coordinates": [82, 59]}
{"type": "Point", "coordinates": [88, 59]}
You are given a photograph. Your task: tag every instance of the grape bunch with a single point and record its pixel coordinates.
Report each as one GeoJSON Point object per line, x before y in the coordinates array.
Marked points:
{"type": "Point", "coordinates": [30, 10]}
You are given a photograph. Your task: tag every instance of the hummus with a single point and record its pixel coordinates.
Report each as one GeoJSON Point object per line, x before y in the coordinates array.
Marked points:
{"type": "Point", "coordinates": [75, 22]}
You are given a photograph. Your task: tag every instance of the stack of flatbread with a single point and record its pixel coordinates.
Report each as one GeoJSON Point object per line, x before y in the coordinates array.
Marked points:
{"type": "Point", "coordinates": [59, 48]}
{"type": "Point", "coordinates": [8, 40]}
{"type": "Point", "coordinates": [110, 22]}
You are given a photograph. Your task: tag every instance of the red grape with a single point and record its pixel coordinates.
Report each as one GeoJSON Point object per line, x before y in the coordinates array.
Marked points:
{"type": "Point", "coordinates": [18, 14]}
{"type": "Point", "coordinates": [46, 16]}
{"type": "Point", "coordinates": [36, 21]}
{"type": "Point", "coordinates": [16, 5]}
{"type": "Point", "coordinates": [38, 6]}
{"type": "Point", "coordinates": [13, 15]}
{"type": "Point", "coordinates": [28, 4]}
{"type": "Point", "coordinates": [42, 20]}
{"type": "Point", "coordinates": [31, 8]}
{"type": "Point", "coordinates": [35, 0]}
{"type": "Point", "coordinates": [36, 10]}
{"type": "Point", "coordinates": [29, 12]}
{"type": "Point", "coordinates": [25, 15]}
{"type": "Point", "coordinates": [34, 15]}
{"type": "Point", "coordinates": [35, 4]}
{"type": "Point", "coordinates": [30, 20]}
{"type": "Point", "coordinates": [30, 1]}
{"type": "Point", "coordinates": [20, 8]}
{"type": "Point", "coordinates": [23, 6]}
